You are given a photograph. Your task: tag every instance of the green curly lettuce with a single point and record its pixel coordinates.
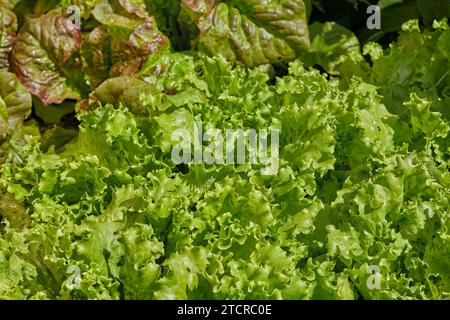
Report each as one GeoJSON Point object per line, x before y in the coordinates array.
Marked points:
{"type": "Point", "coordinates": [94, 205]}
{"type": "Point", "coordinates": [401, 69]}
{"type": "Point", "coordinates": [349, 196]}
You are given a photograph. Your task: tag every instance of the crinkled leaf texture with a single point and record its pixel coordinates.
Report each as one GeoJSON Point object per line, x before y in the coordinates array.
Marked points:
{"type": "Point", "coordinates": [122, 43]}
{"type": "Point", "coordinates": [8, 29]}
{"type": "Point", "coordinates": [250, 32]}
{"type": "Point", "coordinates": [46, 58]}
{"type": "Point", "coordinates": [348, 196]}
{"type": "Point", "coordinates": [419, 62]}
{"type": "Point", "coordinates": [358, 207]}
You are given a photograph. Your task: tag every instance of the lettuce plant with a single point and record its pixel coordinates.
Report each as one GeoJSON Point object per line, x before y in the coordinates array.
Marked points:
{"type": "Point", "coordinates": [93, 206]}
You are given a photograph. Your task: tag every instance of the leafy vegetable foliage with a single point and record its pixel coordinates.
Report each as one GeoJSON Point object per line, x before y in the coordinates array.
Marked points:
{"type": "Point", "coordinates": [363, 181]}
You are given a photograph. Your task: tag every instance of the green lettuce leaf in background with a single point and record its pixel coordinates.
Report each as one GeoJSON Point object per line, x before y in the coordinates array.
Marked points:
{"type": "Point", "coordinates": [15, 104]}
{"type": "Point", "coordinates": [419, 62]}
{"type": "Point", "coordinates": [126, 91]}
{"type": "Point", "coordinates": [336, 50]}
{"type": "Point", "coordinates": [250, 32]}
